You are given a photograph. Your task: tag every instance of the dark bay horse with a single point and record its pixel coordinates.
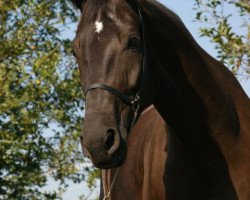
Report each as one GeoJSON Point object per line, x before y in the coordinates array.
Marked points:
{"type": "Point", "coordinates": [142, 174]}
{"type": "Point", "coordinates": [133, 53]}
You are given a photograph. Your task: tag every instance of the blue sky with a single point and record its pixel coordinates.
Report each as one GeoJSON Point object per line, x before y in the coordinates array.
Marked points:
{"type": "Point", "coordinates": [187, 14]}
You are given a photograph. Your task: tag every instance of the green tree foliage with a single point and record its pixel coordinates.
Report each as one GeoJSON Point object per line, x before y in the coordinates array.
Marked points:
{"type": "Point", "coordinates": [40, 100]}
{"type": "Point", "coordinates": [232, 41]}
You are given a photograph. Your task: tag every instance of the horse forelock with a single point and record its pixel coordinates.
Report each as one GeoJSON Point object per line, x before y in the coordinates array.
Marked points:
{"type": "Point", "coordinates": [92, 8]}
{"type": "Point", "coordinates": [98, 11]}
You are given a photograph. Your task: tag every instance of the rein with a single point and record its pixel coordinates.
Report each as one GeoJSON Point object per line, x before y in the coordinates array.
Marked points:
{"type": "Point", "coordinates": [134, 103]}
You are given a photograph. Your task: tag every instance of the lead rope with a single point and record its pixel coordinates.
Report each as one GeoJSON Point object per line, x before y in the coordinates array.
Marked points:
{"type": "Point", "coordinates": [106, 191]}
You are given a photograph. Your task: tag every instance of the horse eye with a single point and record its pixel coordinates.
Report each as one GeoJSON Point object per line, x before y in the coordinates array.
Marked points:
{"type": "Point", "coordinates": [134, 43]}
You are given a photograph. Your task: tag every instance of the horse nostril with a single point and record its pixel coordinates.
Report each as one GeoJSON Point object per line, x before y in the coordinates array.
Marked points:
{"type": "Point", "coordinates": [113, 141]}
{"type": "Point", "coordinates": [110, 139]}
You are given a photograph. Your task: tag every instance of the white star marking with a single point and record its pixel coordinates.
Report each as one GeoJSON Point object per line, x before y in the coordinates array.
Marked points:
{"type": "Point", "coordinates": [98, 26]}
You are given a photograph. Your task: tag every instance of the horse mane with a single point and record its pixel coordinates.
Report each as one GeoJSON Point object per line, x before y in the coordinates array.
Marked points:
{"type": "Point", "coordinates": [180, 38]}
{"type": "Point", "coordinates": [172, 24]}
{"type": "Point", "coordinates": [197, 67]}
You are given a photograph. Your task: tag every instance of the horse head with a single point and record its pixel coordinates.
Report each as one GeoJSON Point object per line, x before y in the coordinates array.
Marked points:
{"type": "Point", "coordinates": [109, 49]}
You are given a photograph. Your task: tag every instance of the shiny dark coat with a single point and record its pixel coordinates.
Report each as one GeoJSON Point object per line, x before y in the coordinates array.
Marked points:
{"type": "Point", "coordinates": [198, 97]}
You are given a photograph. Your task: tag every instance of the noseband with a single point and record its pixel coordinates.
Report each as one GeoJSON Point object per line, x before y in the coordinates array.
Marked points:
{"type": "Point", "coordinates": [112, 90]}
{"type": "Point", "coordinates": [133, 102]}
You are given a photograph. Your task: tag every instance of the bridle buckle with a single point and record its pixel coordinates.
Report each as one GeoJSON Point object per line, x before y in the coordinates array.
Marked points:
{"type": "Point", "coordinates": [135, 102]}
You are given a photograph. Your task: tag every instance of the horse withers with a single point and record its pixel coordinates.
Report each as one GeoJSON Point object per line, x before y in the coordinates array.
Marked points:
{"type": "Point", "coordinates": [133, 53]}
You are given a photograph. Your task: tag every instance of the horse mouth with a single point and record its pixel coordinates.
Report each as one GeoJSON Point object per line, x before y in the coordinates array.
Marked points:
{"type": "Point", "coordinates": [104, 160]}
{"type": "Point", "coordinates": [109, 164]}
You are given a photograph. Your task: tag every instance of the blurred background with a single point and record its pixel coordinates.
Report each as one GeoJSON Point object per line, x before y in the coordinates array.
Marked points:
{"type": "Point", "coordinates": [41, 102]}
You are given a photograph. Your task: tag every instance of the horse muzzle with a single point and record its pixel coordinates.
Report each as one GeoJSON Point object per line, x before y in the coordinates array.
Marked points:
{"type": "Point", "coordinates": [102, 142]}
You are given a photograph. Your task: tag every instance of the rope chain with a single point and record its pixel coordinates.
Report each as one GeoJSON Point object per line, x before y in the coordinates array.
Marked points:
{"type": "Point", "coordinates": [136, 110]}
{"type": "Point", "coordinates": [107, 192]}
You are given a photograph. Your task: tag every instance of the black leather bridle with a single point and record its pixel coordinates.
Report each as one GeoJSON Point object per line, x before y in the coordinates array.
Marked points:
{"type": "Point", "coordinates": [135, 102]}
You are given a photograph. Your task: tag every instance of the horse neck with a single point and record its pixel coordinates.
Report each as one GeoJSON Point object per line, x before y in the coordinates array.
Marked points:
{"type": "Point", "coordinates": [190, 85]}
{"type": "Point", "coordinates": [199, 99]}
{"type": "Point", "coordinates": [146, 155]}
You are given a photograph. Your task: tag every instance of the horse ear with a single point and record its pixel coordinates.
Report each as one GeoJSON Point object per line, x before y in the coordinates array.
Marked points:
{"type": "Point", "coordinates": [78, 3]}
